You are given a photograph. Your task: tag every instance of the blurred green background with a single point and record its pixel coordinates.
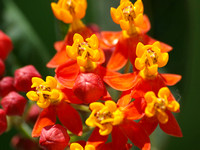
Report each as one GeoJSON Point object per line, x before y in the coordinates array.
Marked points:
{"type": "Point", "coordinates": [33, 29]}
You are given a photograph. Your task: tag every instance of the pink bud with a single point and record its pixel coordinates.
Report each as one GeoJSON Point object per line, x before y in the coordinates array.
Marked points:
{"type": "Point", "coordinates": [33, 114]}
{"type": "Point", "coordinates": [20, 143]}
{"type": "Point", "coordinates": [54, 137]}
{"type": "Point", "coordinates": [23, 78]}
{"type": "Point", "coordinates": [5, 45]}
{"type": "Point", "coordinates": [89, 87]}
{"type": "Point", "coordinates": [6, 86]}
{"type": "Point", "coordinates": [3, 121]}
{"type": "Point", "coordinates": [2, 67]}
{"type": "Point", "coordinates": [13, 104]}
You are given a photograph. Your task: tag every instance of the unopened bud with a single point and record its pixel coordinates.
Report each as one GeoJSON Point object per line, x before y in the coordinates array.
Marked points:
{"type": "Point", "coordinates": [3, 121]}
{"type": "Point", "coordinates": [23, 78]}
{"type": "Point", "coordinates": [54, 137]}
{"type": "Point", "coordinates": [33, 114]}
{"type": "Point", "coordinates": [5, 45]}
{"type": "Point", "coordinates": [13, 104]}
{"type": "Point", "coordinates": [6, 86]}
{"type": "Point", "coordinates": [89, 87]}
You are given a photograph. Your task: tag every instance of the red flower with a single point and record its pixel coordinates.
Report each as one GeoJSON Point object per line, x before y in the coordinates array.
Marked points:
{"type": "Point", "coordinates": [55, 103]}
{"type": "Point", "coordinates": [117, 120]}
{"type": "Point", "coordinates": [134, 27]}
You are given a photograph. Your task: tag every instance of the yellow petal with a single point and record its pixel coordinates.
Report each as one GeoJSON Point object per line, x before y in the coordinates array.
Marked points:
{"type": "Point", "coordinates": [150, 97]}
{"type": "Point", "coordinates": [36, 82]}
{"type": "Point", "coordinates": [65, 16]}
{"type": "Point", "coordinates": [32, 95]}
{"type": "Point", "coordinates": [124, 24]}
{"type": "Point", "coordinates": [107, 130]}
{"type": "Point", "coordinates": [93, 42]}
{"type": "Point", "coordinates": [150, 110]}
{"type": "Point", "coordinates": [76, 146]}
{"type": "Point", "coordinates": [162, 116]}
{"type": "Point", "coordinates": [89, 147]}
{"type": "Point", "coordinates": [96, 106]}
{"type": "Point", "coordinates": [51, 82]}
{"type": "Point", "coordinates": [139, 49]}
{"type": "Point", "coordinates": [139, 20]}
{"type": "Point", "coordinates": [72, 51]}
{"type": "Point", "coordinates": [173, 106]}
{"type": "Point", "coordinates": [116, 15]}
{"type": "Point", "coordinates": [77, 37]}
{"type": "Point", "coordinates": [164, 92]}
{"type": "Point", "coordinates": [163, 59]}
{"type": "Point", "coordinates": [111, 105]}
{"type": "Point", "coordinates": [152, 70]}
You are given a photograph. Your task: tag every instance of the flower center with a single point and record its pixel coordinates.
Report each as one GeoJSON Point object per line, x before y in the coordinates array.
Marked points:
{"type": "Point", "coordinates": [129, 13]}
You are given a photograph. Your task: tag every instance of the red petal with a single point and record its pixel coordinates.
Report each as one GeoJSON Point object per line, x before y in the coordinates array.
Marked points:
{"type": "Point", "coordinates": [110, 38]}
{"type": "Point", "coordinates": [146, 25]}
{"type": "Point", "coordinates": [106, 97]}
{"type": "Point", "coordinates": [135, 110]}
{"type": "Point", "coordinates": [104, 72]}
{"type": "Point", "coordinates": [102, 57]}
{"type": "Point", "coordinates": [59, 58]}
{"type": "Point", "coordinates": [122, 82]}
{"type": "Point", "coordinates": [148, 124]}
{"type": "Point", "coordinates": [136, 134]}
{"type": "Point", "coordinates": [119, 57]}
{"type": "Point", "coordinates": [70, 118]}
{"type": "Point", "coordinates": [47, 117]}
{"type": "Point", "coordinates": [67, 73]}
{"type": "Point", "coordinates": [149, 41]}
{"type": "Point", "coordinates": [119, 140]}
{"type": "Point", "coordinates": [171, 127]}
{"type": "Point", "coordinates": [171, 79]}
{"type": "Point", "coordinates": [58, 45]}
{"type": "Point", "coordinates": [96, 139]}
{"type": "Point", "coordinates": [125, 98]}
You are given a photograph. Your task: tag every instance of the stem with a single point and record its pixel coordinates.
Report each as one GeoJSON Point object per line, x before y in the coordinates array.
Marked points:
{"type": "Point", "coordinates": [127, 67]}
{"type": "Point", "coordinates": [81, 107]}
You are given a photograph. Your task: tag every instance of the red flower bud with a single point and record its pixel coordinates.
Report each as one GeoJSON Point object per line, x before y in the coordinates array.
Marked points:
{"type": "Point", "coordinates": [33, 114]}
{"type": "Point", "coordinates": [2, 67]}
{"type": "Point", "coordinates": [6, 86]}
{"type": "Point", "coordinates": [23, 78]}
{"type": "Point", "coordinates": [19, 143]}
{"type": "Point", "coordinates": [13, 104]}
{"type": "Point", "coordinates": [89, 87]}
{"type": "Point", "coordinates": [5, 45]}
{"type": "Point", "coordinates": [3, 121]}
{"type": "Point", "coordinates": [54, 137]}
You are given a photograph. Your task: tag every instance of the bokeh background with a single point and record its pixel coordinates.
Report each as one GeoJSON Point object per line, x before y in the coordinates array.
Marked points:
{"type": "Point", "coordinates": [33, 30]}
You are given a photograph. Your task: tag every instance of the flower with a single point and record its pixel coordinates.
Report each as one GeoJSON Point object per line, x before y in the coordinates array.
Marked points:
{"type": "Point", "coordinates": [134, 27]}
{"type": "Point", "coordinates": [69, 10]}
{"type": "Point", "coordinates": [86, 53]}
{"type": "Point", "coordinates": [158, 111]}
{"type": "Point", "coordinates": [117, 120]}
{"type": "Point", "coordinates": [49, 96]}
{"type": "Point", "coordinates": [146, 78]}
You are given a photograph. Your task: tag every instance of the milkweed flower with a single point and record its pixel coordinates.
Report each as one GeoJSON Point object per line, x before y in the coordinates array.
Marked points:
{"type": "Point", "coordinates": [146, 77]}
{"type": "Point", "coordinates": [134, 27]}
{"type": "Point", "coordinates": [54, 102]}
{"type": "Point", "coordinates": [158, 111]}
{"type": "Point", "coordinates": [3, 121]}
{"type": "Point", "coordinates": [69, 11]}
{"type": "Point", "coordinates": [81, 73]}
{"type": "Point", "coordinates": [115, 119]}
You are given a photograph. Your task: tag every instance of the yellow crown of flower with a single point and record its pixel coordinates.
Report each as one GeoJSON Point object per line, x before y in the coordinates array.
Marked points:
{"type": "Point", "coordinates": [158, 105]}
{"type": "Point", "coordinates": [76, 146]}
{"type": "Point", "coordinates": [149, 58]}
{"type": "Point", "coordinates": [45, 92]}
{"type": "Point", "coordinates": [128, 15]}
{"type": "Point", "coordinates": [86, 53]}
{"type": "Point", "coordinates": [104, 116]}
{"type": "Point", "coordinates": [69, 10]}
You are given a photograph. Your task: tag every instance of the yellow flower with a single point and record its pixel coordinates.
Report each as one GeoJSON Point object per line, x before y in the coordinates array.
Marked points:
{"type": "Point", "coordinates": [45, 92]}
{"type": "Point", "coordinates": [129, 16]}
{"type": "Point", "coordinates": [149, 58]}
{"type": "Point", "coordinates": [76, 146]}
{"type": "Point", "coordinates": [69, 10]}
{"type": "Point", "coordinates": [104, 116]}
{"type": "Point", "coordinates": [86, 53]}
{"type": "Point", "coordinates": [156, 106]}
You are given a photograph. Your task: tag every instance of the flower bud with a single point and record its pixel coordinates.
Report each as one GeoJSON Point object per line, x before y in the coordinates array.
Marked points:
{"type": "Point", "coordinates": [89, 87]}
{"type": "Point", "coordinates": [5, 45]}
{"type": "Point", "coordinates": [6, 86]}
{"type": "Point", "coordinates": [33, 114]}
{"type": "Point", "coordinates": [23, 78]}
{"type": "Point", "coordinates": [13, 104]}
{"type": "Point", "coordinates": [2, 67]}
{"type": "Point", "coordinates": [54, 137]}
{"type": "Point", "coordinates": [3, 121]}
{"type": "Point", "coordinates": [19, 143]}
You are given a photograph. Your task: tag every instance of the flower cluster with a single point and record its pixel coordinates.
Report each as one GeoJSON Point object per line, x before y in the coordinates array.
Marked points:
{"type": "Point", "coordinates": [83, 74]}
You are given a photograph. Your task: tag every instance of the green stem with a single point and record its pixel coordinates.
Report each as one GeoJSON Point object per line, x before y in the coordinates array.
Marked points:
{"type": "Point", "coordinates": [81, 107]}
{"type": "Point", "coordinates": [127, 67]}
